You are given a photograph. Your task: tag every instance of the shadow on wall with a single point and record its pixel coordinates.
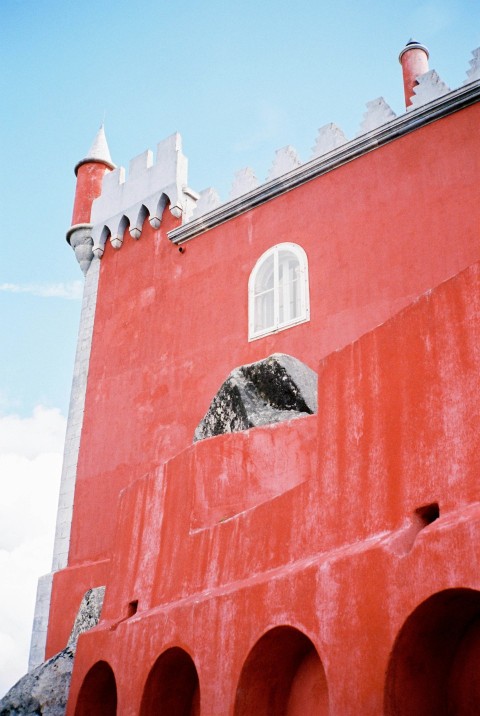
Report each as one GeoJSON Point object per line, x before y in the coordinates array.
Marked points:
{"type": "Point", "coordinates": [98, 695]}
{"type": "Point", "coordinates": [433, 668]}
{"type": "Point", "coordinates": [172, 686]}
{"type": "Point", "coordinates": [282, 676]}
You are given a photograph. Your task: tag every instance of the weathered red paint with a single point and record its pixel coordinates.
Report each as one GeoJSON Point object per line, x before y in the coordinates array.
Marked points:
{"type": "Point", "coordinates": [89, 187]}
{"type": "Point", "coordinates": [301, 549]}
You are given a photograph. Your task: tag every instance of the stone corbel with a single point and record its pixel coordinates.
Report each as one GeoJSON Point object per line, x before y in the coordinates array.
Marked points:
{"type": "Point", "coordinates": [79, 236]}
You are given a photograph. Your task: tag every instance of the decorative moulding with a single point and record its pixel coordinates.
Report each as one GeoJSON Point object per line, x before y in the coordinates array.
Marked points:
{"type": "Point", "coordinates": [429, 86]}
{"type": "Point", "coordinates": [285, 160]}
{"type": "Point", "coordinates": [329, 137]}
{"type": "Point", "coordinates": [378, 113]}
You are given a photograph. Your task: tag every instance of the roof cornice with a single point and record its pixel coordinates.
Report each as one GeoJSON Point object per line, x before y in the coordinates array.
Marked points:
{"type": "Point", "coordinates": [410, 121]}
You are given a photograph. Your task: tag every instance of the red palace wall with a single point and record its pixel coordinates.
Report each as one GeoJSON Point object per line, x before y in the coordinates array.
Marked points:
{"type": "Point", "coordinates": [301, 567]}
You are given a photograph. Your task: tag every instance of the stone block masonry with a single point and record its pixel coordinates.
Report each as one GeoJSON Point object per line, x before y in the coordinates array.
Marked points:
{"type": "Point", "coordinates": [69, 469]}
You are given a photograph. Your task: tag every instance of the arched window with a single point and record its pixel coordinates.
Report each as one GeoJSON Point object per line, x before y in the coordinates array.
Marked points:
{"type": "Point", "coordinates": [278, 290]}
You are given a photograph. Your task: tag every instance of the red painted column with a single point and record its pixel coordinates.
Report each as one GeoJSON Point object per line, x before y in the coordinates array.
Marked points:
{"type": "Point", "coordinates": [414, 61]}
{"type": "Point", "coordinates": [90, 172]}
{"type": "Point", "coordinates": [89, 187]}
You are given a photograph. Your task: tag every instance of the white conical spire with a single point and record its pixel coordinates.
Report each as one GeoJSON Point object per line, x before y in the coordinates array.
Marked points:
{"type": "Point", "coordinates": [99, 151]}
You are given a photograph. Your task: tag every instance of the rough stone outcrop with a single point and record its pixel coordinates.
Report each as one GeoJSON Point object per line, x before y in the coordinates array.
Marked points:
{"type": "Point", "coordinates": [44, 690]}
{"type": "Point", "coordinates": [88, 615]}
{"type": "Point", "coordinates": [277, 388]}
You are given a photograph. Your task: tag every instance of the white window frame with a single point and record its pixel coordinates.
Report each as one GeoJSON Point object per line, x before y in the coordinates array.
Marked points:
{"type": "Point", "coordinates": [303, 288]}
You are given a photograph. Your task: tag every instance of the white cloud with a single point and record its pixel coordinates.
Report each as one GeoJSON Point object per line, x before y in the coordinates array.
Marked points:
{"type": "Point", "coordinates": [30, 466]}
{"type": "Point", "coordinates": [71, 290]}
{"type": "Point", "coordinates": [43, 432]}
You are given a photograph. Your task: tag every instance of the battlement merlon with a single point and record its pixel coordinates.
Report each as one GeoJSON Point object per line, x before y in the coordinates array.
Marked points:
{"type": "Point", "coordinates": [126, 201]}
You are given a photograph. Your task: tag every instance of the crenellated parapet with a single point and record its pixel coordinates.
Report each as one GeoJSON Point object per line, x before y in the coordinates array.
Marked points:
{"type": "Point", "coordinates": [329, 137]}
{"type": "Point", "coordinates": [332, 147]}
{"type": "Point", "coordinates": [128, 200]}
{"type": "Point", "coordinates": [378, 113]}
{"type": "Point", "coordinates": [244, 181]}
{"type": "Point", "coordinates": [429, 87]}
{"type": "Point", "coordinates": [473, 73]}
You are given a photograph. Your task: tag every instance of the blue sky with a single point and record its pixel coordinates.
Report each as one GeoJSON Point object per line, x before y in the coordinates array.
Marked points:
{"type": "Point", "coordinates": [238, 80]}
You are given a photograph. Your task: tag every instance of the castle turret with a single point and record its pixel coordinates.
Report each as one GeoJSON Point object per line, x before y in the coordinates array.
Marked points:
{"type": "Point", "coordinates": [414, 61]}
{"type": "Point", "coordinates": [89, 172]}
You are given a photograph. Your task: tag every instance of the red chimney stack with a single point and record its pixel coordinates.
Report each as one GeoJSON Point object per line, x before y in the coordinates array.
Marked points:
{"type": "Point", "coordinates": [414, 61]}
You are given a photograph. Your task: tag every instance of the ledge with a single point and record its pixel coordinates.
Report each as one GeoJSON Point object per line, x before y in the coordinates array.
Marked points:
{"type": "Point", "coordinates": [94, 160]}
{"type": "Point", "coordinates": [74, 228]}
{"type": "Point", "coordinates": [412, 119]}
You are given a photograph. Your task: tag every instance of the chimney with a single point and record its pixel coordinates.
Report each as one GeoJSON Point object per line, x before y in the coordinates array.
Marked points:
{"type": "Point", "coordinates": [414, 61]}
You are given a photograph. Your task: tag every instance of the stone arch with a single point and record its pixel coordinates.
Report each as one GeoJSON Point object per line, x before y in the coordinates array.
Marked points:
{"type": "Point", "coordinates": [282, 676]}
{"type": "Point", "coordinates": [433, 666]}
{"type": "Point", "coordinates": [157, 214]}
{"type": "Point", "coordinates": [136, 226]}
{"type": "Point", "coordinates": [98, 693]}
{"type": "Point", "coordinates": [116, 238]}
{"type": "Point", "coordinates": [172, 686]}
{"type": "Point", "coordinates": [100, 237]}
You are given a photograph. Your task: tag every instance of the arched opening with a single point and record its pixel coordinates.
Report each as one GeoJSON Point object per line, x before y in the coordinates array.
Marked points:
{"type": "Point", "coordinates": [433, 668]}
{"type": "Point", "coordinates": [98, 693]}
{"type": "Point", "coordinates": [282, 676]}
{"type": "Point", "coordinates": [172, 686]}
